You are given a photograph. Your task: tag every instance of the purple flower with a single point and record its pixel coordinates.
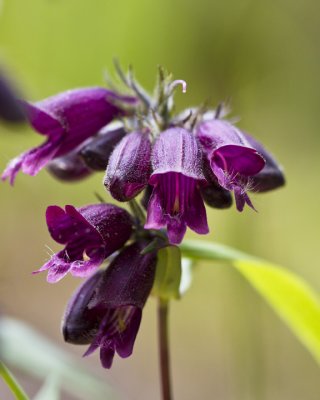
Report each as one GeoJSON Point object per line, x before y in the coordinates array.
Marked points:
{"type": "Point", "coordinates": [90, 234]}
{"type": "Point", "coordinates": [67, 120]}
{"type": "Point", "coordinates": [96, 152]}
{"type": "Point", "coordinates": [69, 168]}
{"type": "Point", "coordinates": [129, 166]}
{"type": "Point", "coordinates": [106, 310]}
{"type": "Point", "coordinates": [271, 176]}
{"type": "Point", "coordinates": [177, 175]}
{"type": "Point", "coordinates": [232, 158]}
{"type": "Point", "coordinates": [10, 107]}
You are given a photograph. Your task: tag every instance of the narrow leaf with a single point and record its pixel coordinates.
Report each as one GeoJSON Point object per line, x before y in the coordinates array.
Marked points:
{"type": "Point", "coordinates": [28, 350]}
{"type": "Point", "coordinates": [288, 294]}
{"type": "Point", "coordinates": [49, 390]}
{"type": "Point", "coordinates": [12, 383]}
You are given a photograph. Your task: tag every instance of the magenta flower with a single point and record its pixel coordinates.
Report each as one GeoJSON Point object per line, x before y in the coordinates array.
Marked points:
{"type": "Point", "coordinates": [129, 166]}
{"type": "Point", "coordinates": [106, 310]}
{"type": "Point", "coordinates": [90, 234]}
{"type": "Point", "coordinates": [177, 175]}
{"type": "Point", "coordinates": [233, 160]}
{"type": "Point", "coordinates": [67, 120]}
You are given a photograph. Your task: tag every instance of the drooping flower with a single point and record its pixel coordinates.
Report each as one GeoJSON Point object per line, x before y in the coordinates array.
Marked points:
{"type": "Point", "coordinates": [106, 310]}
{"type": "Point", "coordinates": [129, 166]}
{"type": "Point", "coordinates": [67, 120]}
{"type": "Point", "coordinates": [69, 168]}
{"type": "Point", "coordinates": [232, 158]}
{"type": "Point", "coordinates": [271, 176]}
{"type": "Point", "coordinates": [90, 234]}
{"type": "Point", "coordinates": [177, 175]}
{"type": "Point", "coordinates": [213, 194]}
{"type": "Point", "coordinates": [10, 107]}
{"type": "Point", "coordinates": [96, 152]}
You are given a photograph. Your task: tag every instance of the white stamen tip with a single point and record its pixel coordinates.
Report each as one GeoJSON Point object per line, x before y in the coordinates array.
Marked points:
{"type": "Point", "coordinates": [180, 82]}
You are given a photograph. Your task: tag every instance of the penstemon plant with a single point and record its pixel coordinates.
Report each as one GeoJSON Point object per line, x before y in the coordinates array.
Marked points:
{"type": "Point", "coordinates": [176, 163]}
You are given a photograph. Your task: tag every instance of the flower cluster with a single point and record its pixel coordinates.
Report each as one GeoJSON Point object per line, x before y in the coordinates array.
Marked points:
{"type": "Point", "coordinates": [177, 163]}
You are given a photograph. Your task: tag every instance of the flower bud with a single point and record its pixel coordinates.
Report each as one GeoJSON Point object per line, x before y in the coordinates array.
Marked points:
{"type": "Point", "coordinates": [97, 152]}
{"type": "Point", "coordinates": [129, 166]}
{"type": "Point", "coordinates": [271, 176]}
{"type": "Point", "coordinates": [69, 168]}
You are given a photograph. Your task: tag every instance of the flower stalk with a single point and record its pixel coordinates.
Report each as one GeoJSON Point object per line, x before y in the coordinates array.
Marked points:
{"type": "Point", "coordinates": [164, 351]}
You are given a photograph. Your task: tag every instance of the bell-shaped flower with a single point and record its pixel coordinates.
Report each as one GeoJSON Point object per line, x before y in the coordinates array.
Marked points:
{"type": "Point", "coordinates": [177, 176]}
{"type": "Point", "coordinates": [69, 168]}
{"type": "Point", "coordinates": [106, 310]}
{"type": "Point", "coordinates": [271, 176]}
{"type": "Point", "coordinates": [90, 234]}
{"type": "Point", "coordinates": [232, 158]}
{"type": "Point", "coordinates": [96, 152]}
{"type": "Point", "coordinates": [129, 166]}
{"type": "Point", "coordinates": [67, 120]}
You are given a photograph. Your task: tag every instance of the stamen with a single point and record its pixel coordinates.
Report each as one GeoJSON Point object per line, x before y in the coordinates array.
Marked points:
{"type": "Point", "coordinates": [176, 83]}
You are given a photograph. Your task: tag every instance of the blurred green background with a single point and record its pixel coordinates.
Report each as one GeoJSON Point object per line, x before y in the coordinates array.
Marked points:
{"type": "Point", "coordinates": [226, 343]}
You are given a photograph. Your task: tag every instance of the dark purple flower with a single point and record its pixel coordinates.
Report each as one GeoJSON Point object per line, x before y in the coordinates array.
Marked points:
{"type": "Point", "coordinates": [96, 153]}
{"type": "Point", "coordinates": [106, 310]}
{"type": "Point", "coordinates": [10, 107]}
{"type": "Point", "coordinates": [67, 119]}
{"type": "Point", "coordinates": [69, 168]}
{"type": "Point", "coordinates": [271, 176]}
{"type": "Point", "coordinates": [232, 158]}
{"type": "Point", "coordinates": [90, 234]}
{"type": "Point", "coordinates": [176, 202]}
{"type": "Point", "coordinates": [129, 166]}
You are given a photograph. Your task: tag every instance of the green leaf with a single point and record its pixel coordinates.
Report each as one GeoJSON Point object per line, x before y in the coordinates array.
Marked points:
{"type": "Point", "coordinates": [11, 381]}
{"type": "Point", "coordinates": [26, 349]}
{"type": "Point", "coordinates": [288, 294]}
{"type": "Point", "coordinates": [168, 273]}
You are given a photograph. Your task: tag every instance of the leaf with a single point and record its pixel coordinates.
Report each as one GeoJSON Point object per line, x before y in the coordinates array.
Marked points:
{"type": "Point", "coordinates": [12, 383]}
{"type": "Point", "coordinates": [288, 294]}
{"type": "Point", "coordinates": [49, 390]}
{"type": "Point", "coordinates": [168, 273]}
{"type": "Point", "coordinates": [26, 349]}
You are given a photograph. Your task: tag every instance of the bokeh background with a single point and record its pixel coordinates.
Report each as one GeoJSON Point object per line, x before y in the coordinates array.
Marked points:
{"type": "Point", "coordinates": [226, 343]}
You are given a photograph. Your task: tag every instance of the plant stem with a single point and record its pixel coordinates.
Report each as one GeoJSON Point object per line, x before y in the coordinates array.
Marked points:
{"type": "Point", "coordinates": [163, 311]}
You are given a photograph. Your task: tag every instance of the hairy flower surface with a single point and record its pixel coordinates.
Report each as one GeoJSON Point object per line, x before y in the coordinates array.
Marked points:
{"type": "Point", "coordinates": [106, 310]}
{"type": "Point", "coordinates": [177, 175]}
{"type": "Point", "coordinates": [67, 120]}
{"type": "Point", "coordinates": [90, 234]}
{"type": "Point", "coordinates": [129, 166]}
{"type": "Point", "coordinates": [232, 158]}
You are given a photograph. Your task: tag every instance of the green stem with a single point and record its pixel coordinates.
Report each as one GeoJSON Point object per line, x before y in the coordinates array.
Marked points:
{"type": "Point", "coordinates": [163, 310]}
{"type": "Point", "coordinates": [14, 386]}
